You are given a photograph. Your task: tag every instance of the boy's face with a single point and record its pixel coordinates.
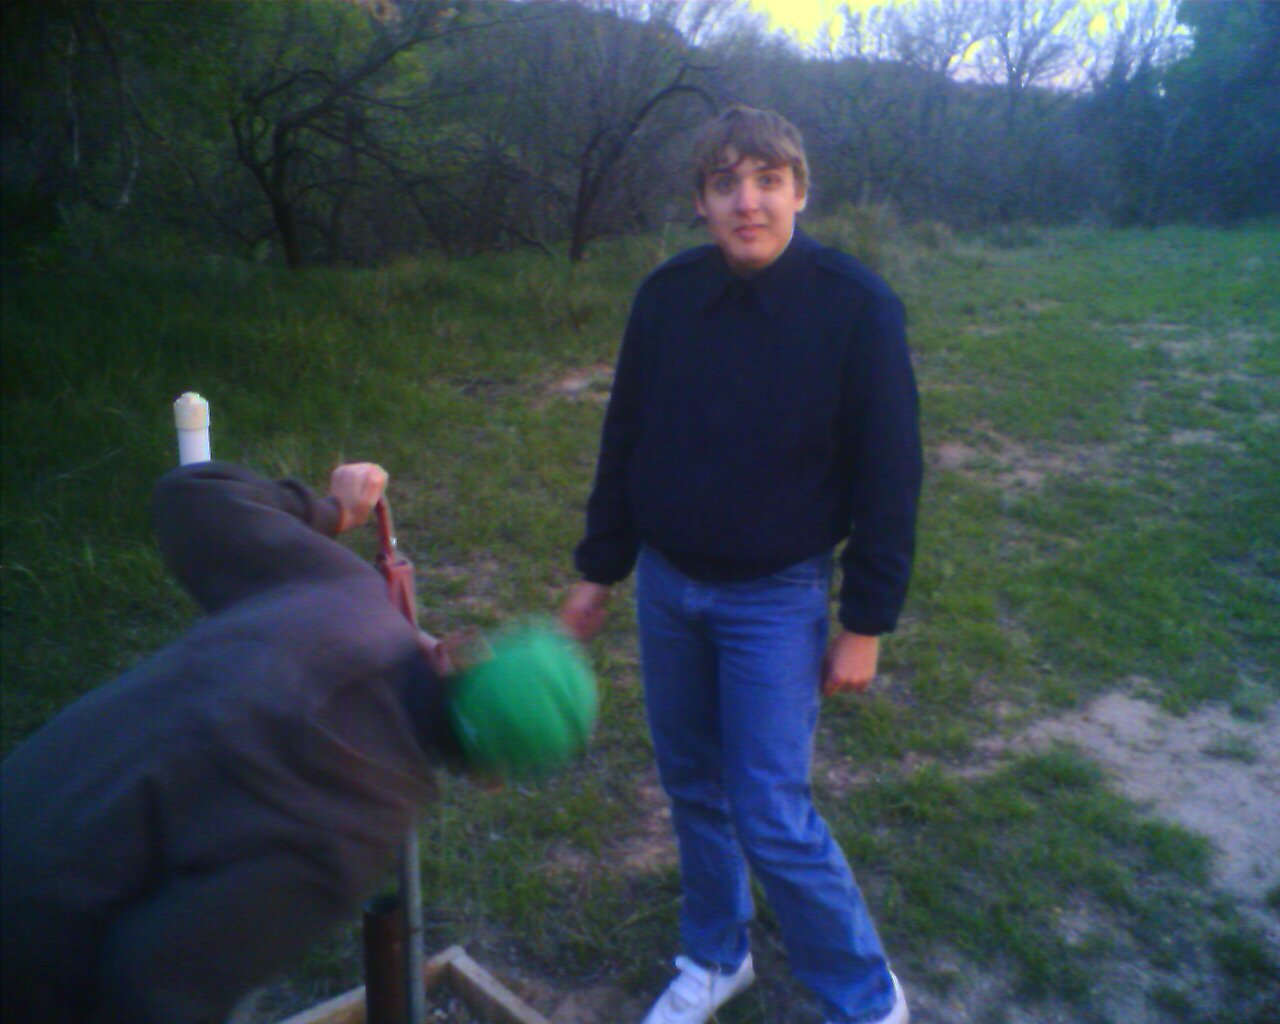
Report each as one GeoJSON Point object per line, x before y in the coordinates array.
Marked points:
{"type": "Point", "coordinates": [750, 207]}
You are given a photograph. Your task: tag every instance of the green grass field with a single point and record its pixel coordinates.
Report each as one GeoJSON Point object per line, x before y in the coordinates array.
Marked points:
{"type": "Point", "coordinates": [1102, 416]}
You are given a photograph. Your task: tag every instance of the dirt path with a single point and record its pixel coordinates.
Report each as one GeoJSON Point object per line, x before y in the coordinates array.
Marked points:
{"type": "Point", "coordinates": [1208, 771]}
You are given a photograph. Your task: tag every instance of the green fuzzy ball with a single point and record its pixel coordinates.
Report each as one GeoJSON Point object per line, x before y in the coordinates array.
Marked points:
{"type": "Point", "coordinates": [529, 708]}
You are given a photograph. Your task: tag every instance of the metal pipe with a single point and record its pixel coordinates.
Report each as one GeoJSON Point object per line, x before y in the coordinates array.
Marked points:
{"type": "Point", "coordinates": [414, 952]}
{"type": "Point", "coordinates": [398, 572]}
{"type": "Point", "coordinates": [385, 994]}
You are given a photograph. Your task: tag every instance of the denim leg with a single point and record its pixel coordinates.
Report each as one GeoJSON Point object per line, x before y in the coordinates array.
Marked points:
{"type": "Point", "coordinates": [681, 697]}
{"type": "Point", "coordinates": [770, 637]}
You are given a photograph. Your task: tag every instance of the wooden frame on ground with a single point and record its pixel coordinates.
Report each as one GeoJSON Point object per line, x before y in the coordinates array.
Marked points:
{"type": "Point", "coordinates": [475, 986]}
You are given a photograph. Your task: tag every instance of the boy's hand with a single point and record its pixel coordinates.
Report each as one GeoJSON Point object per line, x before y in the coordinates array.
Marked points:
{"type": "Point", "coordinates": [850, 664]}
{"type": "Point", "coordinates": [583, 611]}
{"type": "Point", "coordinates": [357, 486]}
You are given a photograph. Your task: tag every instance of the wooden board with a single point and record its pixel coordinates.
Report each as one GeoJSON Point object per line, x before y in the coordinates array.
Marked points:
{"type": "Point", "coordinates": [475, 986]}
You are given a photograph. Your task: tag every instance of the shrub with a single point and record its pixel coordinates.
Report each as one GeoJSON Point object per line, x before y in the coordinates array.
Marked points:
{"type": "Point", "coordinates": [869, 231]}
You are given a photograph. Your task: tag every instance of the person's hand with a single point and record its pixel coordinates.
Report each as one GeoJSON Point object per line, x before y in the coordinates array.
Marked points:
{"type": "Point", "coordinates": [850, 663]}
{"type": "Point", "coordinates": [456, 652]}
{"type": "Point", "coordinates": [583, 611]}
{"type": "Point", "coordinates": [439, 653]}
{"type": "Point", "coordinates": [357, 486]}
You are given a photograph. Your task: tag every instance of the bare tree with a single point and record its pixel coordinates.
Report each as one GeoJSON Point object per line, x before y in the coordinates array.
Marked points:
{"type": "Point", "coordinates": [69, 136]}
{"type": "Point", "coordinates": [936, 36]}
{"type": "Point", "coordinates": [1125, 49]}
{"type": "Point", "coordinates": [321, 96]}
{"type": "Point", "coordinates": [1129, 37]}
{"type": "Point", "coordinates": [604, 85]}
{"type": "Point", "coordinates": [1027, 43]}
{"type": "Point", "coordinates": [863, 33]}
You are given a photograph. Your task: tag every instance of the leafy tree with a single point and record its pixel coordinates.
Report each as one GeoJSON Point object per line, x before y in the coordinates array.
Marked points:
{"type": "Point", "coordinates": [1226, 100]}
{"type": "Point", "coordinates": [1127, 49]}
{"type": "Point", "coordinates": [359, 130]}
{"type": "Point", "coordinates": [70, 138]}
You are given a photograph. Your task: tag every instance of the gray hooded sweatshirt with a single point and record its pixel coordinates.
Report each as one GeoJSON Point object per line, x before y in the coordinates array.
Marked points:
{"type": "Point", "coordinates": [183, 833]}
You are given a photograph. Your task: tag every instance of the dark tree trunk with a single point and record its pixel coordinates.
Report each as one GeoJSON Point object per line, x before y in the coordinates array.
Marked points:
{"type": "Point", "coordinates": [287, 225]}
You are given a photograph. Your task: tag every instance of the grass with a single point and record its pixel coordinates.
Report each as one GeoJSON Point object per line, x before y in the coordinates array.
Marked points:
{"type": "Point", "coordinates": [1110, 523]}
{"type": "Point", "coordinates": [1233, 748]}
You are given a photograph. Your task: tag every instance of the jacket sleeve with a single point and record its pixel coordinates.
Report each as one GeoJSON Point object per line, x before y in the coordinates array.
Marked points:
{"type": "Point", "coordinates": [608, 551]}
{"type": "Point", "coordinates": [884, 466]}
{"type": "Point", "coordinates": [227, 533]}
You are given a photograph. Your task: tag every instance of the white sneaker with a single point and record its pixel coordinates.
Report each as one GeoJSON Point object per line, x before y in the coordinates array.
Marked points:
{"type": "Point", "coordinates": [899, 1014]}
{"type": "Point", "coordinates": [697, 993]}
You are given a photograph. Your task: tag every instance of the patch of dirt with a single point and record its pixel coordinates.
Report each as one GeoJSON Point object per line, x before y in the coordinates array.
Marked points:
{"type": "Point", "coordinates": [477, 581]}
{"type": "Point", "coordinates": [569, 860]}
{"type": "Point", "coordinates": [1185, 341]}
{"type": "Point", "coordinates": [1207, 771]}
{"type": "Point", "coordinates": [960, 991]}
{"type": "Point", "coordinates": [652, 844]}
{"type": "Point", "coordinates": [955, 455]}
{"type": "Point", "coordinates": [1151, 332]}
{"type": "Point", "coordinates": [484, 389]}
{"type": "Point", "coordinates": [649, 846]}
{"type": "Point", "coordinates": [594, 1004]}
{"type": "Point", "coordinates": [587, 383]}
{"type": "Point", "coordinates": [443, 1007]}
{"type": "Point", "coordinates": [1015, 466]}
{"type": "Point", "coordinates": [842, 774]}
{"type": "Point", "coordinates": [1182, 438]}
{"type": "Point", "coordinates": [1204, 439]}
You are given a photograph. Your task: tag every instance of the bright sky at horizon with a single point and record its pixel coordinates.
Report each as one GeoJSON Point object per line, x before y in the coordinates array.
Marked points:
{"type": "Point", "coordinates": [803, 18]}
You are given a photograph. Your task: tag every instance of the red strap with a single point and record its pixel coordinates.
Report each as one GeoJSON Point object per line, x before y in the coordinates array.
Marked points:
{"type": "Point", "coordinates": [386, 534]}
{"type": "Point", "coordinates": [395, 568]}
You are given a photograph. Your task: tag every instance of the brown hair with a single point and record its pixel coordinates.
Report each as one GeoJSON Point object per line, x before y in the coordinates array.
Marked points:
{"type": "Point", "coordinates": [745, 131]}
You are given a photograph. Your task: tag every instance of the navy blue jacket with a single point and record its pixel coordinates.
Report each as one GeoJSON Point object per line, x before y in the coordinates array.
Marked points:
{"type": "Point", "coordinates": [758, 422]}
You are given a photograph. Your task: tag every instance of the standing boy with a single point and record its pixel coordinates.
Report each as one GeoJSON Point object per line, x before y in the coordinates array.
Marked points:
{"type": "Point", "coordinates": [764, 409]}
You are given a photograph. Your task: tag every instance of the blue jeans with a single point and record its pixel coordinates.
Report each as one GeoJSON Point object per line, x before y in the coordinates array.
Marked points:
{"type": "Point", "coordinates": [731, 679]}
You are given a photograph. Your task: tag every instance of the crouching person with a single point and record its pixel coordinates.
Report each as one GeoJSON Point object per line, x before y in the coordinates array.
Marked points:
{"type": "Point", "coordinates": [182, 834]}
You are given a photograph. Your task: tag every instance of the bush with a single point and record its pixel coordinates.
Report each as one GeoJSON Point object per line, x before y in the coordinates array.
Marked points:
{"type": "Point", "coordinates": [869, 231]}
{"type": "Point", "coordinates": [933, 235]}
{"type": "Point", "coordinates": [1015, 235]}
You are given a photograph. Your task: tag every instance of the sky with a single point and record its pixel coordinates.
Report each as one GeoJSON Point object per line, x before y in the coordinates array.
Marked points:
{"type": "Point", "coordinates": [802, 18]}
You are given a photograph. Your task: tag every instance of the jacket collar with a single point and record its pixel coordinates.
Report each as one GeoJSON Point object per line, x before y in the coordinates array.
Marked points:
{"type": "Point", "coordinates": [771, 286]}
